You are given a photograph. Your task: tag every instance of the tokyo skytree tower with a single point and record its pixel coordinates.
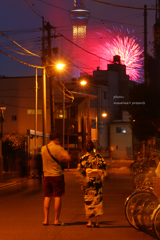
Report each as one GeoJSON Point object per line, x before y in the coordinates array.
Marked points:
{"type": "Point", "coordinates": [79, 18]}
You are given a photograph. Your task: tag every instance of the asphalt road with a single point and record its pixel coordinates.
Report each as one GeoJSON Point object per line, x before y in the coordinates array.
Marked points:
{"type": "Point", "coordinates": [21, 211]}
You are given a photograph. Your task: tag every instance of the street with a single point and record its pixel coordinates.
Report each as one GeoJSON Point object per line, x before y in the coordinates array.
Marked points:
{"type": "Point", "coordinates": [21, 211]}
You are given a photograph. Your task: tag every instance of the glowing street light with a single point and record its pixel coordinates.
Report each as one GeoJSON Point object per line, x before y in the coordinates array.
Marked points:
{"type": "Point", "coordinates": [60, 66]}
{"type": "Point", "coordinates": [104, 114]}
{"type": "Point", "coordinates": [83, 82]}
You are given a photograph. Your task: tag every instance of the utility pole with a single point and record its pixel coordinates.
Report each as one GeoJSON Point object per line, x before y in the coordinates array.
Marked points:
{"type": "Point", "coordinates": [44, 83]}
{"type": "Point", "coordinates": [1, 135]}
{"type": "Point", "coordinates": [49, 50]}
{"type": "Point", "coordinates": [47, 27]}
{"type": "Point", "coordinates": [145, 44]}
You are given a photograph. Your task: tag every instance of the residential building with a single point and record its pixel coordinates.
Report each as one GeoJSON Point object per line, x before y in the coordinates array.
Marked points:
{"type": "Point", "coordinates": [121, 143]}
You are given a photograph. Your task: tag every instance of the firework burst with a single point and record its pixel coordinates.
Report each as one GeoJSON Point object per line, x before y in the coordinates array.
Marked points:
{"type": "Point", "coordinates": [129, 52]}
{"type": "Point", "coordinates": [107, 43]}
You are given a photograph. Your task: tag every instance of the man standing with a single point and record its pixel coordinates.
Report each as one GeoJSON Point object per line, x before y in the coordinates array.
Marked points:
{"type": "Point", "coordinates": [52, 155]}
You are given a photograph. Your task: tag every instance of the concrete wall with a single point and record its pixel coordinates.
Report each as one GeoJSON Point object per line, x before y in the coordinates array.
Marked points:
{"type": "Point", "coordinates": [119, 142]}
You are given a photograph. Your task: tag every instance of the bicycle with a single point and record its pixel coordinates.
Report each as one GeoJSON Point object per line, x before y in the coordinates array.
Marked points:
{"type": "Point", "coordinates": [143, 165]}
{"type": "Point", "coordinates": [142, 180]}
{"type": "Point", "coordinates": [132, 201]}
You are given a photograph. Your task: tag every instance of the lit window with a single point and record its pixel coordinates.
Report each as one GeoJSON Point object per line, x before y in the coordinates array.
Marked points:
{"type": "Point", "coordinates": [32, 111]}
{"type": "Point", "coordinates": [93, 123]}
{"type": "Point", "coordinates": [120, 129]}
{"type": "Point", "coordinates": [59, 114]}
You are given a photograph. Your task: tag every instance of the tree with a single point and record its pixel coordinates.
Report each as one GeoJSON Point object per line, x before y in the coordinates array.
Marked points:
{"type": "Point", "coordinates": [11, 144]}
{"type": "Point", "coordinates": [145, 99]}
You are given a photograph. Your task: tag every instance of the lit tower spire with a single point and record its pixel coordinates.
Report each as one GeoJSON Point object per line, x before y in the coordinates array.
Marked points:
{"type": "Point", "coordinates": [79, 18]}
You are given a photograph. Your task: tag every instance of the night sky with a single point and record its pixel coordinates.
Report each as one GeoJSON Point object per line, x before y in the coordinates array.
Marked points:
{"type": "Point", "coordinates": [22, 24]}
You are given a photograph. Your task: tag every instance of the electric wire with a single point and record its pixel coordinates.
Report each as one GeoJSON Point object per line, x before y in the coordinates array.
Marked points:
{"type": "Point", "coordinates": [32, 9]}
{"type": "Point", "coordinates": [19, 45]}
{"type": "Point", "coordinates": [64, 89]}
{"type": "Point", "coordinates": [21, 53]}
{"type": "Point", "coordinates": [31, 65]}
{"type": "Point", "coordinates": [123, 6]}
{"type": "Point", "coordinates": [105, 83]}
{"type": "Point", "coordinates": [84, 49]}
{"type": "Point", "coordinates": [22, 31]}
{"type": "Point", "coordinates": [102, 20]}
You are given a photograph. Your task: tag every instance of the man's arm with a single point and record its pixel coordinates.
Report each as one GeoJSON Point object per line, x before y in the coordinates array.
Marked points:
{"type": "Point", "coordinates": [63, 156]}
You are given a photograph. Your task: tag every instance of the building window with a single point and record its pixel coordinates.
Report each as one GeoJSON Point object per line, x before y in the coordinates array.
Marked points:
{"type": "Point", "coordinates": [32, 111]}
{"type": "Point", "coordinates": [105, 95]}
{"type": "Point", "coordinates": [120, 129]}
{"type": "Point", "coordinates": [93, 123]}
{"type": "Point", "coordinates": [73, 112]}
{"type": "Point", "coordinates": [59, 114]}
{"type": "Point", "coordinates": [14, 118]}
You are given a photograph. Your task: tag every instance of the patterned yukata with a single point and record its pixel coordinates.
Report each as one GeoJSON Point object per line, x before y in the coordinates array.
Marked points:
{"type": "Point", "coordinates": [92, 168]}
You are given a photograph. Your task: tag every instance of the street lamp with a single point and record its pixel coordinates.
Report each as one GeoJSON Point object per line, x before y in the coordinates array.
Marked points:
{"type": "Point", "coordinates": [60, 66]}
{"type": "Point", "coordinates": [83, 82]}
{"type": "Point", "coordinates": [104, 114]}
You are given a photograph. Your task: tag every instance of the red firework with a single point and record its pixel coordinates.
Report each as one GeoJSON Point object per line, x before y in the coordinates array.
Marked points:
{"type": "Point", "coordinates": [106, 44]}
{"type": "Point", "coordinates": [130, 53]}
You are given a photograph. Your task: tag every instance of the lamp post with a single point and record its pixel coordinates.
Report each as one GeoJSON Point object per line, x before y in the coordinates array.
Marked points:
{"type": "Point", "coordinates": [102, 114]}
{"type": "Point", "coordinates": [63, 116]}
{"type": "Point", "coordinates": [44, 107]}
{"type": "Point", "coordinates": [35, 139]}
{"type": "Point", "coordinates": [83, 83]}
{"type": "Point", "coordinates": [60, 67]}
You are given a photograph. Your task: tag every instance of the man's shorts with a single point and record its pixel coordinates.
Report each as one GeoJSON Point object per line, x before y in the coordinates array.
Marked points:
{"type": "Point", "coordinates": [54, 186]}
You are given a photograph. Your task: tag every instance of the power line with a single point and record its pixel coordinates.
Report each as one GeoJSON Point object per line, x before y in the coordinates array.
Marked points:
{"type": "Point", "coordinates": [33, 9]}
{"type": "Point", "coordinates": [89, 75]}
{"type": "Point", "coordinates": [19, 45]}
{"type": "Point", "coordinates": [91, 17]}
{"type": "Point", "coordinates": [22, 31]}
{"type": "Point", "coordinates": [31, 65]}
{"type": "Point", "coordinates": [84, 49]}
{"type": "Point", "coordinates": [123, 6]}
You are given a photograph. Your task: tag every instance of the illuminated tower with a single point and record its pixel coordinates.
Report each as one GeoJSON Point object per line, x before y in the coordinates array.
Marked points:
{"type": "Point", "coordinates": [79, 18]}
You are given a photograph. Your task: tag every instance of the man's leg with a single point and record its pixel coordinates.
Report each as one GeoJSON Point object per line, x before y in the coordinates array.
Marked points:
{"type": "Point", "coordinates": [46, 206]}
{"type": "Point", "coordinates": [57, 209]}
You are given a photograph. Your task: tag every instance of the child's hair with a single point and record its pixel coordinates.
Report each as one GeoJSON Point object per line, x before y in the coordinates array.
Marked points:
{"type": "Point", "coordinates": [89, 145]}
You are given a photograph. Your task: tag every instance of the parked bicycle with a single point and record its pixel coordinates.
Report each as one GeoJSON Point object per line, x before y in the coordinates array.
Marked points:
{"type": "Point", "coordinates": [142, 209]}
{"type": "Point", "coordinates": [142, 180]}
{"type": "Point", "coordinates": [143, 165]}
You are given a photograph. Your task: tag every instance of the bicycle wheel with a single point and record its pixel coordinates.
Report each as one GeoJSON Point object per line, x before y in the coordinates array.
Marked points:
{"type": "Point", "coordinates": [130, 204]}
{"type": "Point", "coordinates": [146, 215]}
{"type": "Point", "coordinates": [156, 221]}
{"type": "Point", "coordinates": [137, 213]}
{"type": "Point", "coordinates": [139, 181]}
{"type": "Point", "coordinates": [134, 180]}
{"type": "Point", "coordinates": [132, 168]}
